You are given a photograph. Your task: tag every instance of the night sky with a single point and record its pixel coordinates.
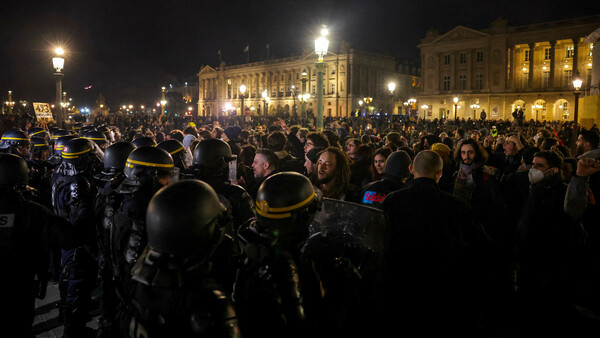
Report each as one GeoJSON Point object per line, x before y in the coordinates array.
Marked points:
{"type": "Point", "coordinates": [127, 50]}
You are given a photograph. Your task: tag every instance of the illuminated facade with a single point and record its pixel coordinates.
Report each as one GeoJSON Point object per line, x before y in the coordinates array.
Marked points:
{"type": "Point", "coordinates": [350, 76]}
{"type": "Point", "coordinates": [502, 68]}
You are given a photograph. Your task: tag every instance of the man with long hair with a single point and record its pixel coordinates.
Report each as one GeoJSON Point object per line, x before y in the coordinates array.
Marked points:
{"type": "Point", "coordinates": [333, 173]}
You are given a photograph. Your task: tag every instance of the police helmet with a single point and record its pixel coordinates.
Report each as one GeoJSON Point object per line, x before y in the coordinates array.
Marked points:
{"type": "Point", "coordinates": [38, 132]}
{"type": "Point", "coordinates": [144, 141]}
{"type": "Point", "coordinates": [286, 203]}
{"type": "Point", "coordinates": [116, 154]}
{"type": "Point", "coordinates": [212, 153]}
{"type": "Point", "coordinates": [96, 136]}
{"type": "Point", "coordinates": [177, 151]}
{"type": "Point", "coordinates": [77, 126]}
{"type": "Point", "coordinates": [39, 144]}
{"type": "Point", "coordinates": [76, 150]}
{"type": "Point", "coordinates": [13, 170]}
{"type": "Point", "coordinates": [14, 138]}
{"type": "Point", "coordinates": [58, 133]}
{"type": "Point", "coordinates": [148, 160]}
{"type": "Point", "coordinates": [60, 143]}
{"type": "Point", "coordinates": [83, 130]}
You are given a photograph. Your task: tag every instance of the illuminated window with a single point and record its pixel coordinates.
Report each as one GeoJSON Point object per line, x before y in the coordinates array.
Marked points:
{"type": "Point", "coordinates": [570, 51]}
{"type": "Point", "coordinates": [446, 82]}
{"type": "Point", "coordinates": [568, 78]}
{"type": "Point", "coordinates": [527, 54]}
{"type": "Point", "coordinates": [547, 53]}
{"type": "Point", "coordinates": [546, 78]}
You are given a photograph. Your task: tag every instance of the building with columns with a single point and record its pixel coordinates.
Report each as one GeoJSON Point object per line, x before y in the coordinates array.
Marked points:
{"type": "Point", "coordinates": [502, 68]}
{"type": "Point", "coordinates": [350, 76]}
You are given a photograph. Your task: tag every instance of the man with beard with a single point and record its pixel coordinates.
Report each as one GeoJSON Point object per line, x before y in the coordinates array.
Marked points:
{"type": "Point", "coordinates": [265, 163]}
{"type": "Point", "coordinates": [333, 173]}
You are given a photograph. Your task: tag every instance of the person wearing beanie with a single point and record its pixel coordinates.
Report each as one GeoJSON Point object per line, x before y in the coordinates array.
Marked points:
{"type": "Point", "coordinates": [395, 177]}
{"type": "Point", "coordinates": [310, 163]}
{"type": "Point", "coordinates": [230, 135]}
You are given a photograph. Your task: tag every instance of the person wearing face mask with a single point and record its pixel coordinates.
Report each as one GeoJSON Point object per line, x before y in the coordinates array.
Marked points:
{"type": "Point", "coordinates": [545, 249]}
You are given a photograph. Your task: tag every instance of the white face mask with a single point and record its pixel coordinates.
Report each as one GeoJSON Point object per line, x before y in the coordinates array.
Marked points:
{"type": "Point", "coordinates": [536, 175]}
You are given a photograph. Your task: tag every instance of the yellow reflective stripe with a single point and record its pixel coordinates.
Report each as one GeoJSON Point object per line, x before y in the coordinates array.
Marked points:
{"type": "Point", "coordinates": [37, 132]}
{"type": "Point", "coordinates": [176, 151]}
{"type": "Point", "coordinates": [130, 163]}
{"type": "Point", "coordinates": [277, 216]}
{"type": "Point", "coordinates": [40, 145]}
{"type": "Point", "coordinates": [65, 156]}
{"type": "Point", "coordinates": [79, 153]}
{"type": "Point", "coordinates": [264, 210]}
{"type": "Point", "coordinates": [15, 138]}
{"type": "Point", "coordinates": [95, 138]}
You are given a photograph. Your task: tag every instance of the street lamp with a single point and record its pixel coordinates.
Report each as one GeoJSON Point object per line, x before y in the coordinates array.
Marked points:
{"type": "Point", "coordinates": [391, 88]}
{"type": "Point", "coordinates": [577, 82]}
{"type": "Point", "coordinates": [58, 62]}
{"type": "Point", "coordinates": [10, 102]}
{"type": "Point", "coordinates": [265, 97]}
{"type": "Point", "coordinates": [163, 101]}
{"type": "Point", "coordinates": [367, 100]}
{"type": "Point", "coordinates": [455, 106]}
{"type": "Point", "coordinates": [321, 45]}
{"type": "Point", "coordinates": [243, 94]}
{"type": "Point", "coordinates": [474, 106]}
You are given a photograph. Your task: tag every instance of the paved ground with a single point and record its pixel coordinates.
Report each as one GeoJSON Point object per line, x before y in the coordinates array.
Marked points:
{"type": "Point", "coordinates": [46, 323]}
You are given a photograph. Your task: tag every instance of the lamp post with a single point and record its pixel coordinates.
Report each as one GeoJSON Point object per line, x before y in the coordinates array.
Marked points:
{"type": "Point", "coordinates": [474, 106]}
{"type": "Point", "coordinates": [10, 102]}
{"type": "Point", "coordinates": [391, 88]}
{"type": "Point", "coordinates": [265, 97]}
{"type": "Point", "coordinates": [293, 90]}
{"type": "Point", "coordinates": [243, 94]}
{"type": "Point", "coordinates": [58, 62]}
{"type": "Point", "coordinates": [577, 82]}
{"type": "Point", "coordinates": [321, 45]}
{"type": "Point", "coordinates": [455, 106]}
{"type": "Point", "coordinates": [163, 101]}
{"type": "Point", "coordinates": [367, 100]}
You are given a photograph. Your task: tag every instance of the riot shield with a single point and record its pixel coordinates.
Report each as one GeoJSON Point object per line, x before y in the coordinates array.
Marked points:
{"type": "Point", "coordinates": [346, 243]}
{"type": "Point", "coordinates": [346, 229]}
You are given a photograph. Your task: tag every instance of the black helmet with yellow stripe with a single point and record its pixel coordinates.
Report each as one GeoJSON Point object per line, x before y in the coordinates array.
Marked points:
{"type": "Point", "coordinates": [145, 164]}
{"type": "Point", "coordinates": [177, 151]}
{"type": "Point", "coordinates": [76, 149]}
{"type": "Point", "coordinates": [97, 137]}
{"type": "Point", "coordinates": [286, 203]}
{"type": "Point", "coordinates": [15, 141]}
{"type": "Point", "coordinates": [58, 133]}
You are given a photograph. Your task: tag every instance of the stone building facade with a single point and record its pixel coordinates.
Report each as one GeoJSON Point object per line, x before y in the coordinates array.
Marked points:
{"type": "Point", "coordinates": [350, 76]}
{"type": "Point", "coordinates": [502, 68]}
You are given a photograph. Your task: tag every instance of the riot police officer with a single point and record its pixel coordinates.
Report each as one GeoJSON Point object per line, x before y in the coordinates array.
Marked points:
{"type": "Point", "coordinates": [106, 204]}
{"type": "Point", "coordinates": [144, 141]}
{"type": "Point", "coordinates": [147, 169]}
{"type": "Point", "coordinates": [174, 294]}
{"type": "Point", "coordinates": [178, 152]}
{"type": "Point", "coordinates": [212, 164]}
{"type": "Point", "coordinates": [57, 145]}
{"type": "Point", "coordinates": [73, 194]}
{"type": "Point", "coordinates": [97, 137]}
{"type": "Point", "coordinates": [277, 292]}
{"type": "Point", "coordinates": [40, 170]}
{"type": "Point", "coordinates": [15, 141]}
{"type": "Point", "coordinates": [27, 229]}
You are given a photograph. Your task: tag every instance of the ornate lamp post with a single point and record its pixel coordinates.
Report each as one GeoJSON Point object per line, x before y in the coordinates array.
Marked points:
{"type": "Point", "coordinates": [243, 94]}
{"type": "Point", "coordinates": [321, 45]}
{"type": "Point", "coordinates": [474, 106]}
{"type": "Point", "coordinates": [577, 82]}
{"type": "Point", "coordinates": [163, 101]}
{"type": "Point", "coordinates": [10, 103]}
{"type": "Point", "coordinates": [391, 88]}
{"type": "Point", "coordinates": [455, 106]}
{"type": "Point", "coordinates": [58, 62]}
{"type": "Point", "coordinates": [367, 100]}
{"type": "Point", "coordinates": [293, 90]}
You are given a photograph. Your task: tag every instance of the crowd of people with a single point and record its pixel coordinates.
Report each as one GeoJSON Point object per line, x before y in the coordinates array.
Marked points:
{"type": "Point", "coordinates": [266, 227]}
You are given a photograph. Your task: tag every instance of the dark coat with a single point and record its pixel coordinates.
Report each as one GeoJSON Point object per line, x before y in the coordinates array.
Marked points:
{"type": "Point", "coordinates": [437, 263]}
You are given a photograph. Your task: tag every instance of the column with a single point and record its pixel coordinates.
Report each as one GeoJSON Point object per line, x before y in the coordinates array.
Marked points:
{"type": "Point", "coordinates": [510, 83]}
{"type": "Point", "coordinates": [469, 69]}
{"type": "Point", "coordinates": [531, 61]}
{"type": "Point", "coordinates": [552, 63]}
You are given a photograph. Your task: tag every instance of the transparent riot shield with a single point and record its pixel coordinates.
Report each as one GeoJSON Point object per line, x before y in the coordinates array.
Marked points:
{"type": "Point", "coordinates": [346, 229]}
{"type": "Point", "coordinates": [346, 243]}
